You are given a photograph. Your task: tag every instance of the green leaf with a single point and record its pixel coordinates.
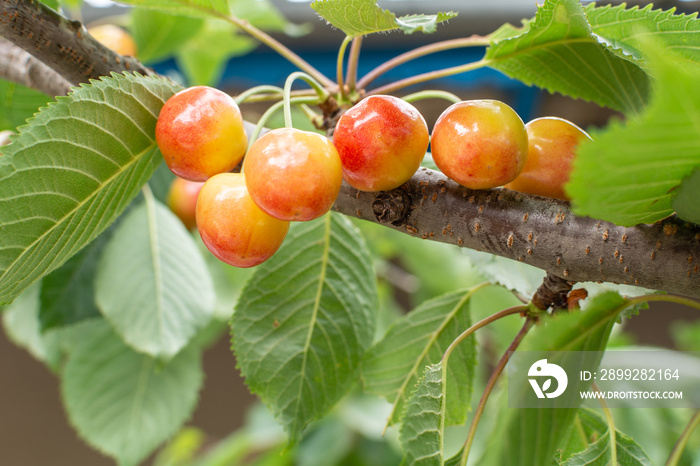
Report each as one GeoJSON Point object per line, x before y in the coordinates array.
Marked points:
{"type": "Point", "coordinates": [204, 64]}
{"type": "Point", "coordinates": [305, 319]}
{"type": "Point", "coordinates": [686, 199]}
{"type": "Point", "coordinates": [21, 322]}
{"type": "Point", "coordinates": [361, 17]}
{"type": "Point", "coordinates": [629, 173]}
{"type": "Point", "coordinates": [67, 293]}
{"type": "Point", "coordinates": [152, 283]}
{"type": "Point", "coordinates": [70, 173]}
{"type": "Point", "coordinates": [18, 103]}
{"type": "Point", "coordinates": [627, 29]}
{"type": "Point", "coordinates": [159, 35]}
{"type": "Point", "coordinates": [579, 331]}
{"type": "Point", "coordinates": [558, 52]}
{"type": "Point", "coordinates": [599, 452]}
{"type": "Point", "coordinates": [423, 427]}
{"type": "Point", "coordinates": [124, 403]}
{"type": "Point", "coordinates": [189, 7]}
{"type": "Point", "coordinates": [394, 364]}
{"type": "Point", "coordinates": [263, 14]}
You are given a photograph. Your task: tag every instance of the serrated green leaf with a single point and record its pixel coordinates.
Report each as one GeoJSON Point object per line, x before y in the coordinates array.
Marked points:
{"type": "Point", "coordinates": [305, 319]}
{"type": "Point", "coordinates": [152, 283]}
{"type": "Point", "coordinates": [579, 331]}
{"type": "Point", "coordinates": [70, 173]}
{"type": "Point", "coordinates": [18, 103]}
{"type": "Point", "coordinates": [361, 17]}
{"type": "Point", "coordinates": [204, 64]}
{"type": "Point", "coordinates": [394, 364]}
{"type": "Point", "coordinates": [598, 451]}
{"type": "Point", "coordinates": [686, 198]}
{"type": "Point", "coordinates": [423, 427]}
{"type": "Point", "coordinates": [189, 7]}
{"type": "Point", "coordinates": [559, 52]}
{"type": "Point", "coordinates": [124, 403]}
{"type": "Point", "coordinates": [627, 29]}
{"type": "Point", "coordinates": [629, 174]}
{"type": "Point", "coordinates": [67, 293]}
{"type": "Point", "coordinates": [159, 35]}
{"type": "Point", "coordinates": [21, 323]}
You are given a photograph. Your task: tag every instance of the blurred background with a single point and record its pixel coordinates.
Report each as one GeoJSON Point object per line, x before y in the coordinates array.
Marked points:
{"type": "Point", "coordinates": [33, 427]}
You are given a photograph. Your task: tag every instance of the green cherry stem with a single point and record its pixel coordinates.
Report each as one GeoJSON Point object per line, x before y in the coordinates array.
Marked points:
{"type": "Point", "coordinates": [339, 66]}
{"type": "Point", "coordinates": [265, 89]}
{"type": "Point", "coordinates": [491, 384]}
{"type": "Point", "coordinates": [320, 91]}
{"type": "Point", "coordinates": [421, 95]}
{"type": "Point", "coordinates": [678, 448]}
{"type": "Point", "coordinates": [271, 111]}
{"type": "Point", "coordinates": [353, 62]}
{"type": "Point", "coordinates": [473, 41]}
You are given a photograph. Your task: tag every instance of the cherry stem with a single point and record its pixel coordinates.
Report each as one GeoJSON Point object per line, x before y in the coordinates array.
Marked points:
{"type": "Point", "coordinates": [274, 108]}
{"type": "Point", "coordinates": [678, 448]}
{"type": "Point", "coordinates": [353, 62]}
{"type": "Point", "coordinates": [265, 89]}
{"type": "Point", "coordinates": [612, 433]}
{"type": "Point", "coordinates": [275, 45]}
{"type": "Point", "coordinates": [420, 78]}
{"type": "Point", "coordinates": [664, 298]}
{"type": "Point", "coordinates": [433, 94]}
{"type": "Point", "coordinates": [339, 66]}
{"type": "Point", "coordinates": [482, 323]}
{"type": "Point", "coordinates": [473, 41]}
{"type": "Point", "coordinates": [490, 385]}
{"type": "Point", "coordinates": [320, 91]}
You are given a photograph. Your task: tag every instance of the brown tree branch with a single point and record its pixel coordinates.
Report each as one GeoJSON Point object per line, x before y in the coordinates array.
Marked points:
{"type": "Point", "coordinates": [538, 231]}
{"type": "Point", "coordinates": [18, 65]}
{"type": "Point", "coordinates": [541, 232]}
{"type": "Point", "coordinates": [63, 45]}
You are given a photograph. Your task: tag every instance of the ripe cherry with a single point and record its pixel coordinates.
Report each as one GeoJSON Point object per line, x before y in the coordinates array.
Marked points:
{"type": "Point", "coordinates": [480, 144]}
{"type": "Point", "coordinates": [182, 200]}
{"type": "Point", "coordinates": [553, 143]}
{"type": "Point", "coordinates": [232, 227]}
{"type": "Point", "coordinates": [381, 141]}
{"type": "Point", "coordinates": [293, 174]}
{"type": "Point", "coordinates": [115, 38]}
{"type": "Point", "coordinates": [200, 133]}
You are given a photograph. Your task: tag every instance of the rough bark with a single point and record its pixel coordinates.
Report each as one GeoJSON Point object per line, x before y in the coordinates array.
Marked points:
{"type": "Point", "coordinates": [18, 65]}
{"type": "Point", "coordinates": [538, 231]}
{"type": "Point", "coordinates": [541, 232]}
{"type": "Point", "coordinates": [61, 44]}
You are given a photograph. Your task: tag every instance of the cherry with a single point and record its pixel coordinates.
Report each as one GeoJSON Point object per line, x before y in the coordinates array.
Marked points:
{"type": "Point", "coordinates": [182, 200]}
{"type": "Point", "coordinates": [115, 38]}
{"type": "Point", "coordinates": [480, 144]}
{"type": "Point", "coordinates": [200, 133]}
{"type": "Point", "coordinates": [553, 143]}
{"type": "Point", "coordinates": [293, 174]}
{"type": "Point", "coordinates": [381, 141]}
{"type": "Point", "coordinates": [232, 227]}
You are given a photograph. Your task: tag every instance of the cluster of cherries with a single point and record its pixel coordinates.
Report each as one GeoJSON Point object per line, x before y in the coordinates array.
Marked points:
{"type": "Point", "coordinates": [378, 144]}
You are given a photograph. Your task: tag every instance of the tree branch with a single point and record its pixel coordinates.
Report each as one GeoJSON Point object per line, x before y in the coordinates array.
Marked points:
{"type": "Point", "coordinates": [19, 66]}
{"type": "Point", "coordinates": [538, 231]}
{"type": "Point", "coordinates": [541, 232]}
{"type": "Point", "coordinates": [63, 45]}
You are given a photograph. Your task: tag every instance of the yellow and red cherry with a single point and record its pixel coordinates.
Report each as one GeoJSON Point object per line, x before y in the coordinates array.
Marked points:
{"type": "Point", "coordinates": [200, 133]}
{"type": "Point", "coordinates": [480, 144]}
{"type": "Point", "coordinates": [293, 174]}
{"type": "Point", "coordinates": [232, 227]}
{"type": "Point", "coordinates": [381, 141]}
{"type": "Point", "coordinates": [553, 142]}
